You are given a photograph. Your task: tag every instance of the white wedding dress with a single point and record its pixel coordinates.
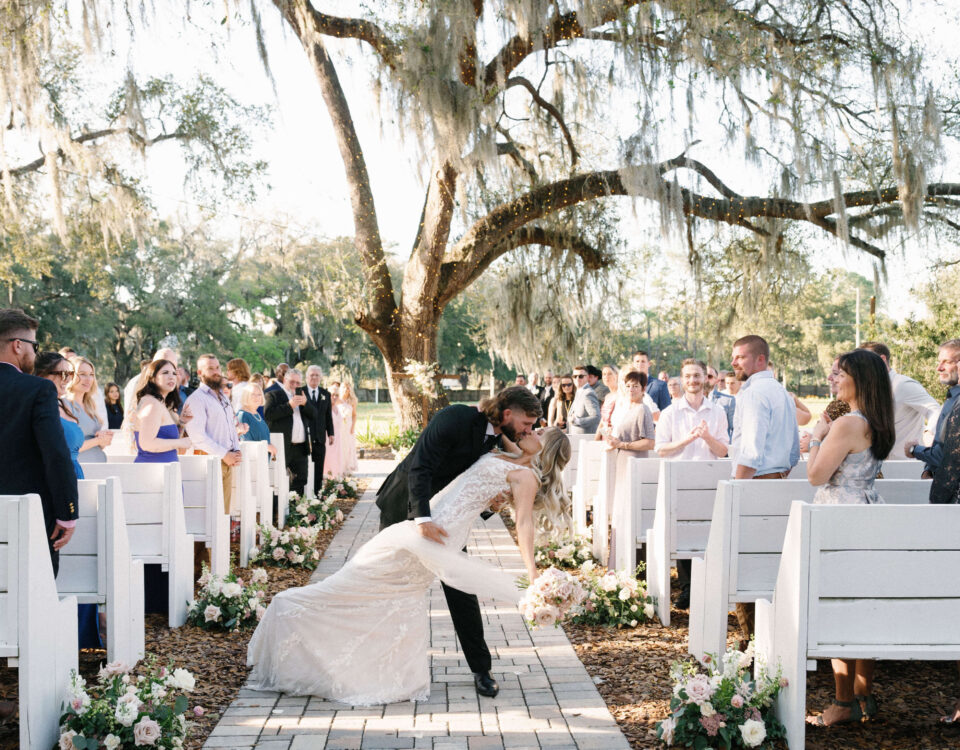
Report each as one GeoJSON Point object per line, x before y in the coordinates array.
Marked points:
{"type": "Point", "coordinates": [361, 636]}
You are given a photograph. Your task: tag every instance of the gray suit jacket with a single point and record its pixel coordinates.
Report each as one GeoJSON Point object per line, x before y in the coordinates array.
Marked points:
{"type": "Point", "coordinates": [584, 414]}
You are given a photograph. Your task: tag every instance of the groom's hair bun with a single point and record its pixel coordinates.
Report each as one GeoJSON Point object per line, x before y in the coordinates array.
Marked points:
{"type": "Point", "coordinates": [515, 398]}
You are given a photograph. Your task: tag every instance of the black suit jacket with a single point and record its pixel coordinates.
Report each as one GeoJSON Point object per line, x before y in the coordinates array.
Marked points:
{"type": "Point", "coordinates": [279, 415]}
{"type": "Point", "coordinates": [448, 446]}
{"type": "Point", "coordinates": [33, 452]}
{"type": "Point", "coordinates": [322, 426]}
{"type": "Point", "coordinates": [946, 479]}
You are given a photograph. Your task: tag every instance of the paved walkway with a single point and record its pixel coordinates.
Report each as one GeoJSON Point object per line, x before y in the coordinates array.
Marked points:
{"type": "Point", "coordinates": [547, 699]}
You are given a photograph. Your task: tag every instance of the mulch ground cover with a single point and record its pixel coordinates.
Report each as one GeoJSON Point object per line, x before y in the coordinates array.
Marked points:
{"type": "Point", "coordinates": [631, 668]}
{"type": "Point", "coordinates": [217, 660]}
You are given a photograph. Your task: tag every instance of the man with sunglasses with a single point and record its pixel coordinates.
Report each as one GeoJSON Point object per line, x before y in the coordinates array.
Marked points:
{"type": "Point", "coordinates": [584, 417]}
{"type": "Point", "coordinates": [33, 452]}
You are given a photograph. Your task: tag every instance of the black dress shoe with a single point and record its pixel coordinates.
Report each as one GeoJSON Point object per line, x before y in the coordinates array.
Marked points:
{"type": "Point", "coordinates": [683, 601]}
{"type": "Point", "coordinates": [486, 685]}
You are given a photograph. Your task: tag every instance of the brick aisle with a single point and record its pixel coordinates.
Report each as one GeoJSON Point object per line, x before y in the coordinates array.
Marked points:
{"type": "Point", "coordinates": [546, 700]}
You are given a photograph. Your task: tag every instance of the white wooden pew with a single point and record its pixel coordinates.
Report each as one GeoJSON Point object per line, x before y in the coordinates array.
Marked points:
{"type": "Point", "coordinates": [603, 503]}
{"type": "Point", "coordinates": [634, 504]}
{"type": "Point", "coordinates": [206, 517]}
{"type": "Point", "coordinates": [38, 631]}
{"type": "Point", "coordinates": [279, 479]}
{"type": "Point", "coordinates": [681, 522]}
{"type": "Point", "coordinates": [860, 582]}
{"type": "Point", "coordinates": [570, 470]}
{"type": "Point", "coordinates": [245, 498]}
{"type": "Point", "coordinates": [259, 458]}
{"type": "Point", "coordinates": [587, 480]}
{"type": "Point", "coordinates": [743, 549]}
{"type": "Point", "coordinates": [97, 568]}
{"type": "Point", "coordinates": [156, 526]}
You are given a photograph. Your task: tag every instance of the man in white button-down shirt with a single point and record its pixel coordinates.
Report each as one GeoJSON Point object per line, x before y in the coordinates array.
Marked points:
{"type": "Point", "coordinates": [693, 427]}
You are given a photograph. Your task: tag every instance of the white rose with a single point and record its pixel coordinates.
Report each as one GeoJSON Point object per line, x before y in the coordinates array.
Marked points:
{"type": "Point", "coordinates": [183, 680]}
{"type": "Point", "coordinates": [609, 582]}
{"type": "Point", "coordinates": [146, 732]}
{"type": "Point", "coordinates": [259, 576]}
{"type": "Point", "coordinates": [587, 566]}
{"type": "Point", "coordinates": [211, 613]}
{"type": "Point", "coordinates": [285, 537]}
{"type": "Point", "coordinates": [624, 594]}
{"type": "Point", "coordinates": [111, 742]}
{"type": "Point", "coordinates": [753, 732]}
{"type": "Point", "coordinates": [633, 623]}
{"type": "Point", "coordinates": [127, 710]}
{"type": "Point", "coordinates": [66, 740]}
{"type": "Point", "coordinates": [667, 728]}
{"type": "Point", "coordinates": [648, 610]}
{"type": "Point", "coordinates": [254, 552]}
{"type": "Point", "coordinates": [253, 602]}
{"type": "Point", "coordinates": [215, 586]}
{"type": "Point", "coordinates": [232, 590]}
{"type": "Point", "coordinates": [261, 611]}
{"type": "Point", "coordinates": [302, 509]}
{"type": "Point", "coordinates": [707, 710]}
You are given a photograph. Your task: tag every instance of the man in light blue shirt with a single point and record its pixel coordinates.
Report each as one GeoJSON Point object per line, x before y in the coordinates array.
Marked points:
{"type": "Point", "coordinates": [947, 361]}
{"type": "Point", "coordinates": [766, 444]}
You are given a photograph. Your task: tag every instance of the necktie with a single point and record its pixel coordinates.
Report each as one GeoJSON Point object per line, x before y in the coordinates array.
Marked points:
{"type": "Point", "coordinates": [313, 395]}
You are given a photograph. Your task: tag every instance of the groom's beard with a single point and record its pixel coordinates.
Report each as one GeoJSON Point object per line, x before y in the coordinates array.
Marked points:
{"type": "Point", "coordinates": [509, 431]}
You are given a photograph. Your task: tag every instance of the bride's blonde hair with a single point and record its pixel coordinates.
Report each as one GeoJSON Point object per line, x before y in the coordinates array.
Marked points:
{"type": "Point", "coordinates": [552, 504]}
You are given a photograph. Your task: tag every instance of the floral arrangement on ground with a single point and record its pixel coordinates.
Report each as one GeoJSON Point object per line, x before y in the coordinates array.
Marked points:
{"type": "Point", "coordinates": [310, 510]}
{"type": "Point", "coordinates": [553, 595]}
{"type": "Point", "coordinates": [564, 552]}
{"type": "Point", "coordinates": [228, 602]}
{"type": "Point", "coordinates": [287, 548]}
{"type": "Point", "coordinates": [616, 598]}
{"type": "Point", "coordinates": [126, 710]}
{"type": "Point", "coordinates": [341, 488]}
{"type": "Point", "coordinates": [722, 706]}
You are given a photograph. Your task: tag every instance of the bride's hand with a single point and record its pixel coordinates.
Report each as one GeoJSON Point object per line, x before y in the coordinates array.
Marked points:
{"type": "Point", "coordinates": [499, 501]}
{"type": "Point", "coordinates": [508, 445]}
{"type": "Point", "coordinates": [430, 530]}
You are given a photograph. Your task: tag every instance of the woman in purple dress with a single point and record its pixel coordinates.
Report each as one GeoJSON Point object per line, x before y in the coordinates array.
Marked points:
{"type": "Point", "coordinates": [157, 436]}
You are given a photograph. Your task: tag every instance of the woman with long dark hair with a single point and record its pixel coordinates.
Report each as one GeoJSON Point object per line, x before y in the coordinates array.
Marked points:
{"type": "Point", "coordinates": [158, 427]}
{"type": "Point", "coordinates": [845, 457]}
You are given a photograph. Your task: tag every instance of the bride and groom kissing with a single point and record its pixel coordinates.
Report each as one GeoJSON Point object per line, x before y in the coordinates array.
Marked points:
{"type": "Point", "coordinates": [361, 636]}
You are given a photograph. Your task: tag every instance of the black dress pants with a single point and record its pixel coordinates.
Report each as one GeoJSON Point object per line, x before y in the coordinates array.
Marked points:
{"type": "Point", "coordinates": [297, 463]}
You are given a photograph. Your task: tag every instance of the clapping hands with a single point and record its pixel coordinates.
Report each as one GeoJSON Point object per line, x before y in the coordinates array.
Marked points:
{"type": "Point", "coordinates": [698, 432]}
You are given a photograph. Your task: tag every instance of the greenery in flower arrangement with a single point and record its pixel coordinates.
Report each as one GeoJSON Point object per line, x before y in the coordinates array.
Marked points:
{"type": "Point", "coordinates": [309, 510]}
{"type": "Point", "coordinates": [228, 602]}
{"type": "Point", "coordinates": [564, 552]}
{"type": "Point", "coordinates": [341, 488]}
{"type": "Point", "coordinates": [616, 598]}
{"type": "Point", "coordinates": [722, 707]}
{"type": "Point", "coordinates": [125, 710]}
{"type": "Point", "coordinates": [292, 547]}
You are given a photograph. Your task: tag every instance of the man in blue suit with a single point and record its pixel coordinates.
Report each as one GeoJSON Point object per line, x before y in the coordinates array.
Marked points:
{"type": "Point", "coordinates": [656, 389]}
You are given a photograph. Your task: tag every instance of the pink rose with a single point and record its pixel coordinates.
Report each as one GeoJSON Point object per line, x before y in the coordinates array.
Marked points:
{"type": "Point", "coordinates": [198, 711]}
{"type": "Point", "coordinates": [737, 701]}
{"type": "Point", "coordinates": [146, 732]}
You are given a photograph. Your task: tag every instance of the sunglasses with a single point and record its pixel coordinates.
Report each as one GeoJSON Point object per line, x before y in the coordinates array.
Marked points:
{"type": "Point", "coordinates": [566, 385]}
{"type": "Point", "coordinates": [26, 341]}
{"type": "Point", "coordinates": [64, 374]}
{"type": "Point", "coordinates": [580, 377]}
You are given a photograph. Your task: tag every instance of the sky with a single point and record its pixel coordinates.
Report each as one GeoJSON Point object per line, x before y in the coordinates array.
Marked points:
{"type": "Point", "coordinates": [307, 186]}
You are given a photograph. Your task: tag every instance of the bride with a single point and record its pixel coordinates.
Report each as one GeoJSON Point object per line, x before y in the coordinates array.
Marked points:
{"type": "Point", "coordinates": [361, 636]}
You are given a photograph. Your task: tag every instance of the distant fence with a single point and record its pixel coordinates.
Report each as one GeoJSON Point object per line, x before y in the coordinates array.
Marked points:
{"type": "Point", "coordinates": [372, 395]}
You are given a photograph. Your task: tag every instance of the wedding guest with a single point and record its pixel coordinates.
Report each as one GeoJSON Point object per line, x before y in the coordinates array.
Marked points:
{"type": "Point", "coordinates": [693, 427]}
{"type": "Point", "coordinates": [656, 389]}
{"type": "Point", "coordinates": [212, 427]}
{"type": "Point", "coordinates": [561, 403]}
{"type": "Point", "coordinates": [238, 375]}
{"type": "Point", "coordinates": [611, 379]}
{"type": "Point", "coordinates": [111, 397]}
{"type": "Point", "coordinates": [845, 457]}
{"type": "Point", "coordinates": [766, 443]}
{"type": "Point", "coordinates": [80, 401]}
{"type": "Point", "coordinates": [674, 389]}
{"type": "Point", "coordinates": [158, 441]}
{"type": "Point", "coordinates": [347, 407]}
{"type": "Point", "coordinates": [332, 463]}
{"type": "Point", "coordinates": [662, 375]}
{"type": "Point", "coordinates": [634, 431]}
{"type": "Point", "coordinates": [533, 384]}
{"type": "Point", "coordinates": [584, 415]}
{"type": "Point", "coordinates": [912, 405]}
{"type": "Point", "coordinates": [547, 392]}
{"type": "Point", "coordinates": [288, 412]}
{"type": "Point", "coordinates": [832, 376]}
{"type": "Point", "coordinates": [130, 392]}
{"type": "Point", "coordinates": [322, 428]}
{"type": "Point", "coordinates": [520, 380]}
{"type": "Point", "coordinates": [728, 403]}
{"type": "Point", "coordinates": [722, 382]}
{"type": "Point", "coordinates": [594, 381]}
{"type": "Point", "coordinates": [249, 415]}
{"type": "Point", "coordinates": [733, 385]}
{"type": "Point", "coordinates": [947, 358]}
{"type": "Point", "coordinates": [278, 375]}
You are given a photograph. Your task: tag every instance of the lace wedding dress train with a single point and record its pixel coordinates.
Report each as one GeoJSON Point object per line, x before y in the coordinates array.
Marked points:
{"type": "Point", "coordinates": [361, 636]}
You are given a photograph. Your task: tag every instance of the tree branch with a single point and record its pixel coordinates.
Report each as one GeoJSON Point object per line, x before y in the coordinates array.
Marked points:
{"type": "Point", "coordinates": [345, 28]}
{"type": "Point", "coordinates": [553, 111]}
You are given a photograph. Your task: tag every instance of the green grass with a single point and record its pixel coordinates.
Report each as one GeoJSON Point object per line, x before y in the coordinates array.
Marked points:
{"type": "Point", "coordinates": [376, 420]}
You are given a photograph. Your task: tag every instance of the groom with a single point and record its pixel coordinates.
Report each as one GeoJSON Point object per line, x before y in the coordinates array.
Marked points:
{"type": "Point", "coordinates": [453, 440]}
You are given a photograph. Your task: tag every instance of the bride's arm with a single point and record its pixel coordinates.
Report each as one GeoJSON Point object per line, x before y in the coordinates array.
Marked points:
{"type": "Point", "coordinates": [524, 486]}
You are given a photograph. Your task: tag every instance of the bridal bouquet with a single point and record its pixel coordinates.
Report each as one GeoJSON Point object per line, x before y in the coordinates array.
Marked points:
{"type": "Point", "coordinates": [571, 552]}
{"type": "Point", "coordinates": [616, 599]}
{"type": "Point", "coordinates": [340, 488]}
{"type": "Point", "coordinates": [126, 710]}
{"type": "Point", "coordinates": [551, 597]}
{"type": "Point", "coordinates": [723, 707]}
{"type": "Point", "coordinates": [287, 548]}
{"type": "Point", "coordinates": [227, 602]}
{"type": "Point", "coordinates": [319, 512]}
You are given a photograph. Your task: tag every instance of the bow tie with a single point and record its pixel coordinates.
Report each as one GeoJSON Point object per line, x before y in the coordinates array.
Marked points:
{"type": "Point", "coordinates": [490, 442]}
